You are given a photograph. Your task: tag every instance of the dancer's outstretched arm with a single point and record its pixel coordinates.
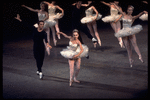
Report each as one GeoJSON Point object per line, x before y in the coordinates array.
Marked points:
{"type": "Point", "coordinates": [31, 9]}
{"type": "Point", "coordinates": [66, 36]}
{"type": "Point", "coordinates": [140, 14]}
{"type": "Point", "coordinates": [107, 4]}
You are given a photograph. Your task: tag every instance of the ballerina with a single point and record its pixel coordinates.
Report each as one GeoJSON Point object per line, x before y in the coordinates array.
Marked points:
{"type": "Point", "coordinates": [42, 16]}
{"type": "Point", "coordinates": [128, 32]}
{"type": "Point", "coordinates": [56, 16]}
{"type": "Point", "coordinates": [110, 19]}
{"type": "Point", "coordinates": [74, 52]}
{"type": "Point", "coordinates": [77, 9]}
{"type": "Point", "coordinates": [90, 20]}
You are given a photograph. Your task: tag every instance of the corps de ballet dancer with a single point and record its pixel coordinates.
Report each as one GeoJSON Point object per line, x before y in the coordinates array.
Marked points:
{"type": "Point", "coordinates": [114, 14]}
{"type": "Point", "coordinates": [74, 52]}
{"type": "Point", "coordinates": [128, 32]}
{"type": "Point", "coordinates": [90, 20]}
{"type": "Point", "coordinates": [38, 47]}
{"type": "Point", "coordinates": [77, 9]}
{"type": "Point", "coordinates": [144, 17]}
{"type": "Point", "coordinates": [54, 16]}
{"type": "Point", "coordinates": [42, 16]}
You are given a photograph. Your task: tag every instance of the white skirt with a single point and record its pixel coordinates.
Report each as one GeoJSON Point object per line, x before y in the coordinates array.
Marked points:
{"type": "Point", "coordinates": [144, 17]}
{"type": "Point", "coordinates": [69, 54]}
{"type": "Point", "coordinates": [129, 31]}
{"type": "Point", "coordinates": [90, 19]}
{"type": "Point", "coordinates": [110, 18]}
{"type": "Point", "coordinates": [49, 23]}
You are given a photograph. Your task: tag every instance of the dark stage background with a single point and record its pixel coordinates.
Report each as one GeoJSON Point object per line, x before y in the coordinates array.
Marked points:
{"type": "Point", "coordinates": [12, 29]}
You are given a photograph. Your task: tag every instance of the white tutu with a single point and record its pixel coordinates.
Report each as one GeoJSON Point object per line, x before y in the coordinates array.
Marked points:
{"type": "Point", "coordinates": [144, 17]}
{"type": "Point", "coordinates": [58, 16]}
{"type": "Point", "coordinates": [129, 31]}
{"type": "Point", "coordinates": [90, 18]}
{"type": "Point", "coordinates": [110, 18]}
{"type": "Point", "coordinates": [49, 23]}
{"type": "Point", "coordinates": [73, 50]}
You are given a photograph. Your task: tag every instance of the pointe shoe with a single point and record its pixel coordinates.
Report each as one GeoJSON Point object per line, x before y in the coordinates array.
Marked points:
{"type": "Point", "coordinates": [100, 44]}
{"type": "Point", "coordinates": [58, 36]}
{"type": "Point", "coordinates": [131, 62]}
{"type": "Point", "coordinates": [140, 58]}
{"type": "Point", "coordinates": [121, 45]}
{"type": "Point", "coordinates": [70, 83]}
{"type": "Point", "coordinates": [75, 80]}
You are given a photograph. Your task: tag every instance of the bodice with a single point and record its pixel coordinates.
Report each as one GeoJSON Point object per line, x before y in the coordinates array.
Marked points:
{"type": "Point", "coordinates": [113, 11]}
{"type": "Point", "coordinates": [89, 12]}
{"type": "Point", "coordinates": [41, 16]}
{"type": "Point", "coordinates": [72, 46]}
{"type": "Point", "coordinates": [51, 10]}
{"type": "Point", "coordinates": [127, 23]}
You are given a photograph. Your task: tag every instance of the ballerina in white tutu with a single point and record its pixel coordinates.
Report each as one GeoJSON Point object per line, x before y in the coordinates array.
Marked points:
{"type": "Point", "coordinates": [74, 52]}
{"type": "Point", "coordinates": [55, 16]}
{"type": "Point", "coordinates": [111, 18]}
{"type": "Point", "coordinates": [42, 16]}
{"type": "Point", "coordinates": [91, 19]}
{"type": "Point", "coordinates": [128, 32]}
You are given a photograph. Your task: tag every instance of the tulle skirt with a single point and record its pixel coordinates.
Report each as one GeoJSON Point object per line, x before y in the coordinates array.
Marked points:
{"type": "Point", "coordinates": [129, 31]}
{"type": "Point", "coordinates": [110, 18]}
{"type": "Point", "coordinates": [49, 23]}
{"type": "Point", "coordinates": [68, 53]}
{"type": "Point", "coordinates": [144, 17]}
{"type": "Point", "coordinates": [90, 19]}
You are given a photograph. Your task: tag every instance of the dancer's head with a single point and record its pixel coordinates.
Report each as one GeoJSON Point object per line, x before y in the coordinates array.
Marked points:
{"type": "Point", "coordinates": [41, 25]}
{"type": "Point", "coordinates": [130, 9]}
{"type": "Point", "coordinates": [53, 2]}
{"type": "Point", "coordinates": [42, 6]}
{"type": "Point", "coordinates": [116, 2]}
{"type": "Point", "coordinates": [79, 3]}
{"type": "Point", "coordinates": [75, 34]}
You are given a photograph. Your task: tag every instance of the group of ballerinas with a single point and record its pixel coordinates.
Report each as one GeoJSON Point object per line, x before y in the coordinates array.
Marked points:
{"type": "Point", "coordinates": [75, 51]}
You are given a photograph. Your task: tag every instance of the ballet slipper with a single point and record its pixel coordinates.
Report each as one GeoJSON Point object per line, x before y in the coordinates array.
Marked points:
{"type": "Point", "coordinates": [70, 83]}
{"type": "Point", "coordinates": [131, 62]}
{"type": "Point", "coordinates": [75, 80]}
{"type": "Point", "coordinates": [140, 58]}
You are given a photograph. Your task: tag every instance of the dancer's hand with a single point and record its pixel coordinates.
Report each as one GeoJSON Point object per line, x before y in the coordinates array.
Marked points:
{"type": "Point", "coordinates": [49, 46]}
{"type": "Point", "coordinates": [75, 56]}
{"type": "Point", "coordinates": [18, 17]}
{"type": "Point", "coordinates": [145, 12]}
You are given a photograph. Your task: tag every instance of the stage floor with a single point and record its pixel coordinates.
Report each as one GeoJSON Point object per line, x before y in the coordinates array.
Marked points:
{"type": "Point", "coordinates": [106, 74]}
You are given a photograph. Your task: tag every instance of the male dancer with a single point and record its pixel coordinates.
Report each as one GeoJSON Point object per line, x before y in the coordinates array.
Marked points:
{"type": "Point", "coordinates": [38, 47]}
{"type": "Point", "coordinates": [76, 23]}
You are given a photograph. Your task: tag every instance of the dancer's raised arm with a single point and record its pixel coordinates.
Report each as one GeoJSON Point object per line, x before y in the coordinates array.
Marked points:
{"type": "Point", "coordinates": [140, 14]}
{"type": "Point", "coordinates": [66, 36]}
{"type": "Point", "coordinates": [31, 9]}
{"type": "Point", "coordinates": [107, 4]}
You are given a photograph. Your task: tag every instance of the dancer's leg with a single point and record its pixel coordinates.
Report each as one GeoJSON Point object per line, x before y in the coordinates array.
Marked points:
{"type": "Point", "coordinates": [89, 25]}
{"type": "Point", "coordinates": [54, 35]}
{"type": "Point", "coordinates": [136, 48]}
{"type": "Point", "coordinates": [78, 63]}
{"type": "Point", "coordinates": [47, 30]}
{"type": "Point", "coordinates": [96, 32]}
{"type": "Point", "coordinates": [71, 66]}
{"type": "Point", "coordinates": [129, 49]}
{"type": "Point", "coordinates": [118, 27]}
{"type": "Point", "coordinates": [57, 28]}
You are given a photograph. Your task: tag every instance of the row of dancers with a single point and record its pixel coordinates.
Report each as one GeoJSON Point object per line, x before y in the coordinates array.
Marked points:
{"type": "Point", "coordinates": [76, 49]}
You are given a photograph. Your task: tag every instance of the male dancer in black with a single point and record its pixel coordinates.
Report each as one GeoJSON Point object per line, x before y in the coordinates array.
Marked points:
{"type": "Point", "coordinates": [77, 10]}
{"type": "Point", "coordinates": [38, 47]}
